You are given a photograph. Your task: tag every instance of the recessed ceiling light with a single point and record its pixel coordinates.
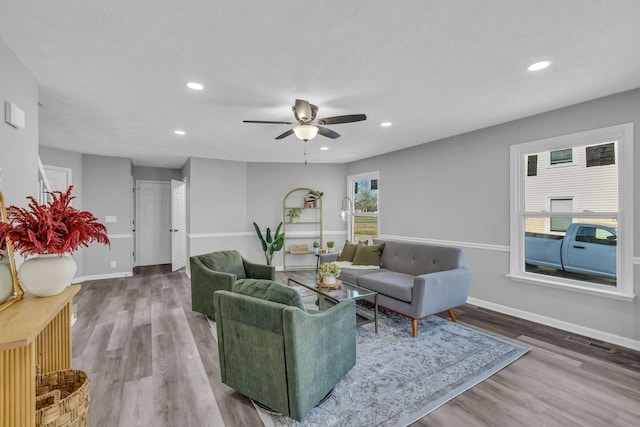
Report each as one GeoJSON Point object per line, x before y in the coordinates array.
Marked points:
{"type": "Point", "coordinates": [385, 124]}
{"type": "Point", "coordinates": [324, 148]}
{"type": "Point", "coordinates": [539, 66]}
{"type": "Point", "coordinates": [195, 86]}
{"type": "Point", "coordinates": [179, 132]}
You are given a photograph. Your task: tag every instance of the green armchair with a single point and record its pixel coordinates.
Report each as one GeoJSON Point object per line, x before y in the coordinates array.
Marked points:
{"type": "Point", "coordinates": [276, 353]}
{"type": "Point", "coordinates": [219, 271]}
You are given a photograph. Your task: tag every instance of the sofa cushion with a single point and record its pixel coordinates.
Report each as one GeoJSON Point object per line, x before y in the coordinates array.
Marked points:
{"type": "Point", "coordinates": [389, 283]}
{"type": "Point", "coordinates": [368, 255]}
{"type": "Point", "coordinates": [268, 290]}
{"type": "Point", "coordinates": [352, 275]}
{"type": "Point", "coordinates": [225, 261]}
{"type": "Point", "coordinates": [348, 251]}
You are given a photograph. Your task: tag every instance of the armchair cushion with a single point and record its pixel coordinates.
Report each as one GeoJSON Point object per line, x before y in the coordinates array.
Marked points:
{"type": "Point", "coordinates": [269, 290]}
{"type": "Point", "coordinates": [227, 261]}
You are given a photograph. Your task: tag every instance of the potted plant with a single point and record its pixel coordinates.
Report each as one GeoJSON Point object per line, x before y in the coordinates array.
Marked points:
{"type": "Point", "coordinates": [330, 246]}
{"type": "Point", "coordinates": [328, 271]}
{"type": "Point", "coordinates": [312, 197]}
{"type": "Point", "coordinates": [270, 243]}
{"type": "Point", "coordinates": [316, 247]}
{"type": "Point", "coordinates": [50, 233]}
{"type": "Point", "coordinates": [294, 214]}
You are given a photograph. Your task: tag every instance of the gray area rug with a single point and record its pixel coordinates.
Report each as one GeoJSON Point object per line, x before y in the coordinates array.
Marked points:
{"type": "Point", "coordinates": [399, 379]}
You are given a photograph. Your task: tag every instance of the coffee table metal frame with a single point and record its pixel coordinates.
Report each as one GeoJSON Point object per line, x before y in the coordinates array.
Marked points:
{"type": "Point", "coordinates": [343, 292]}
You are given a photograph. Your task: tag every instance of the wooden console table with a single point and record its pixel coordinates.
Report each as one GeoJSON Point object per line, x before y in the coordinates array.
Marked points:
{"type": "Point", "coordinates": [32, 331]}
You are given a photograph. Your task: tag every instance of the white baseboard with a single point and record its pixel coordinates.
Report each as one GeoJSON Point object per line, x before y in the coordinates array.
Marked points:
{"type": "Point", "coordinates": [560, 324]}
{"type": "Point", "coordinates": [81, 279]}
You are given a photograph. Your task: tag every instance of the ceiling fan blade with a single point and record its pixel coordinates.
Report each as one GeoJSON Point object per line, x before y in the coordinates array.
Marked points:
{"type": "Point", "coordinates": [328, 132]}
{"type": "Point", "coordinates": [342, 119]}
{"type": "Point", "coordinates": [303, 110]}
{"type": "Point", "coordinates": [284, 135]}
{"type": "Point", "coordinates": [267, 122]}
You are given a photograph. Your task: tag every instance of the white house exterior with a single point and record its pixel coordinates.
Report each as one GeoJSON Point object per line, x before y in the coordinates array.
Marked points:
{"type": "Point", "coordinates": [564, 181]}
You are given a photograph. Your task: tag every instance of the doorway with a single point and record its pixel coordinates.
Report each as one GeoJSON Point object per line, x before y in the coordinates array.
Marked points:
{"type": "Point", "coordinates": [153, 222]}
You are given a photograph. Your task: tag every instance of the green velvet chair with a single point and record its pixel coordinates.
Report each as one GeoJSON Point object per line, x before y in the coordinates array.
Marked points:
{"type": "Point", "coordinates": [219, 271]}
{"type": "Point", "coordinates": [276, 353]}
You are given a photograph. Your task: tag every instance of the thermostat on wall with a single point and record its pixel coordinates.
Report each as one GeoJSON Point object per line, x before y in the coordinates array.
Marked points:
{"type": "Point", "coordinates": [13, 115]}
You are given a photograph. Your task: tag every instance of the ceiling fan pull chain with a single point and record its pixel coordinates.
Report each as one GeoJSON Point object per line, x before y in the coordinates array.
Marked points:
{"type": "Point", "coordinates": [305, 152]}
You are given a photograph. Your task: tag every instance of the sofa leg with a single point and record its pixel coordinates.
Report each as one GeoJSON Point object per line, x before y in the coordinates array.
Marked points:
{"type": "Point", "coordinates": [452, 314]}
{"type": "Point", "coordinates": [414, 328]}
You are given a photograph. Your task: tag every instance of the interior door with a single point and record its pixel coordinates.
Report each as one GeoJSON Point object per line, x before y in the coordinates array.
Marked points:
{"type": "Point", "coordinates": [154, 222]}
{"type": "Point", "coordinates": [178, 214]}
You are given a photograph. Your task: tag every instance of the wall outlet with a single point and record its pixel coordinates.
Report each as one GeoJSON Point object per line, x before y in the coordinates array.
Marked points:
{"type": "Point", "coordinates": [113, 264]}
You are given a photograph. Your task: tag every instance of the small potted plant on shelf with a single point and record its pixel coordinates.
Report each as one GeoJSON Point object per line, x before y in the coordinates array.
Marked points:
{"type": "Point", "coordinates": [316, 247]}
{"type": "Point", "coordinates": [294, 214]}
{"type": "Point", "coordinates": [312, 197]}
{"type": "Point", "coordinates": [330, 246]}
{"type": "Point", "coordinates": [328, 271]}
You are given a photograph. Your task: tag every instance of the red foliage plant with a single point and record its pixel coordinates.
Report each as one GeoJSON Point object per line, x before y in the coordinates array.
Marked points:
{"type": "Point", "coordinates": [52, 228]}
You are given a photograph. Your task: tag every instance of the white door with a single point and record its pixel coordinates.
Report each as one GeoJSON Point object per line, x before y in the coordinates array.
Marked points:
{"type": "Point", "coordinates": [154, 222]}
{"type": "Point", "coordinates": [178, 235]}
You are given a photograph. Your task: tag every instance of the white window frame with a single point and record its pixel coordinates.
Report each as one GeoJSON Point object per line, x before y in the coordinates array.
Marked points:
{"type": "Point", "coordinates": [624, 135]}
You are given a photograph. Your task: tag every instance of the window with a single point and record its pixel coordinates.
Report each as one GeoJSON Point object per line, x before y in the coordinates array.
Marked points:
{"type": "Point", "coordinates": [561, 156]}
{"type": "Point", "coordinates": [560, 224]}
{"type": "Point", "coordinates": [585, 204]}
{"type": "Point", "coordinates": [364, 191]}
{"type": "Point", "coordinates": [532, 165]}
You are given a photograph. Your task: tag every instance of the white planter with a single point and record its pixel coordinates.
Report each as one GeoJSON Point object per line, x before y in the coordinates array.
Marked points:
{"type": "Point", "coordinates": [47, 274]}
{"type": "Point", "coordinates": [6, 282]}
{"type": "Point", "coordinates": [329, 280]}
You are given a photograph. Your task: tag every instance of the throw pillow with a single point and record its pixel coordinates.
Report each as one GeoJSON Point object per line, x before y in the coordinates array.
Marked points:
{"type": "Point", "coordinates": [368, 255]}
{"type": "Point", "coordinates": [348, 251]}
{"type": "Point", "coordinates": [225, 261]}
{"type": "Point", "coordinates": [268, 290]}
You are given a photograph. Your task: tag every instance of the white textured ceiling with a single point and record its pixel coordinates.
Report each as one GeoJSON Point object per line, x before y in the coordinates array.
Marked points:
{"type": "Point", "coordinates": [112, 74]}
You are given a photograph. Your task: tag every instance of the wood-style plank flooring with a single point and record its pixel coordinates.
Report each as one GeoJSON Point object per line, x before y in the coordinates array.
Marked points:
{"type": "Point", "coordinates": [153, 362]}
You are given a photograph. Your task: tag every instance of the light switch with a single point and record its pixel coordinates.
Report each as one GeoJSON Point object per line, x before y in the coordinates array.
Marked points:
{"type": "Point", "coordinates": [13, 115]}
{"type": "Point", "coordinates": [109, 218]}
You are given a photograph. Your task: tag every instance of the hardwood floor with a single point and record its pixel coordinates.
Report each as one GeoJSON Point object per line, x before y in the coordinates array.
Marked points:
{"type": "Point", "coordinates": [153, 362]}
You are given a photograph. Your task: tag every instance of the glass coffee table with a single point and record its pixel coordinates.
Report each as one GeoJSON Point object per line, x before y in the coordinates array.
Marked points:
{"type": "Point", "coordinates": [330, 296]}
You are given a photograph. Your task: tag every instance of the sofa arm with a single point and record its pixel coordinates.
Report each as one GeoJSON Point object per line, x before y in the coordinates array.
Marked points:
{"type": "Point", "coordinates": [259, 271]}
{"type": "Point", "coordinates": [328, 257]}
{"type": "Point", "coordinates": [204, 282]}
{"type": "Point", "coordinates": [320, 350]}
{"type": "Point", "coordinates": [440, 291]}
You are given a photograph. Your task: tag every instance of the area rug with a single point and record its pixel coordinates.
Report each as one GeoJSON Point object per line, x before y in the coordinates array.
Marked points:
{"type": "Point", "coordinates": [399, 379]}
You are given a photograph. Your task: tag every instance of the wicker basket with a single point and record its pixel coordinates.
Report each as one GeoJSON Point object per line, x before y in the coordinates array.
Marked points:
{"type": "Point", "coordinates": [62, 399]}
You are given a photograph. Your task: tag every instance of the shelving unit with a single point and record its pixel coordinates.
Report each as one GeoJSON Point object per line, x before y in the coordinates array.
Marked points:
{"type": "Point", "coordinates": [306, 230]}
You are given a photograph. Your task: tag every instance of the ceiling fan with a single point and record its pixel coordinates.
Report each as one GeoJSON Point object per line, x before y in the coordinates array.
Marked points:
{"type": "Point", "coordinates": [308, 127]}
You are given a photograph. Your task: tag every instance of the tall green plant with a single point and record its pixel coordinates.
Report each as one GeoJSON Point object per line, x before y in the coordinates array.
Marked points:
{"type": "Point", "coordinates": [270, 244]}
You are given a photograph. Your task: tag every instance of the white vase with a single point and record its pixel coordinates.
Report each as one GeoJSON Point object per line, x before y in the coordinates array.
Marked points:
{"type": "Point", "coordinates": [6, 282]}
{"type": "Point", "coordinates": [47, 274]}
{"type": "Point", "coordinates": [329, 280]}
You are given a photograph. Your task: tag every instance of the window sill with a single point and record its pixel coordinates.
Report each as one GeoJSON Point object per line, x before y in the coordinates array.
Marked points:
{"type": "Point", "coordinates": [572, 286]}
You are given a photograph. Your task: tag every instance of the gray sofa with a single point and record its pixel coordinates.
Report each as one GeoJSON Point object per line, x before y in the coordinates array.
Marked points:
{"type": "Point", "coordinates": [415, 280]}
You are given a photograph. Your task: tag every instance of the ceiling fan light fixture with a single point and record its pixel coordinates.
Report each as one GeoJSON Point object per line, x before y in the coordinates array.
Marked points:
{"type": "Point", "coordinates": [305, 132]}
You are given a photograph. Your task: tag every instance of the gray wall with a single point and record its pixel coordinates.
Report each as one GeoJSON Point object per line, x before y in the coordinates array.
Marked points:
{"type": "Point", "coordinates": [19, 148]}
{"type": "Point", "coordinates": [457, 191]}
{"type": "Point", "coordinates": [156, 174]}
{"type": "Point", "coordinates": [107, 191]}
{"type": "Point", "coordinates": [224, 199]}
